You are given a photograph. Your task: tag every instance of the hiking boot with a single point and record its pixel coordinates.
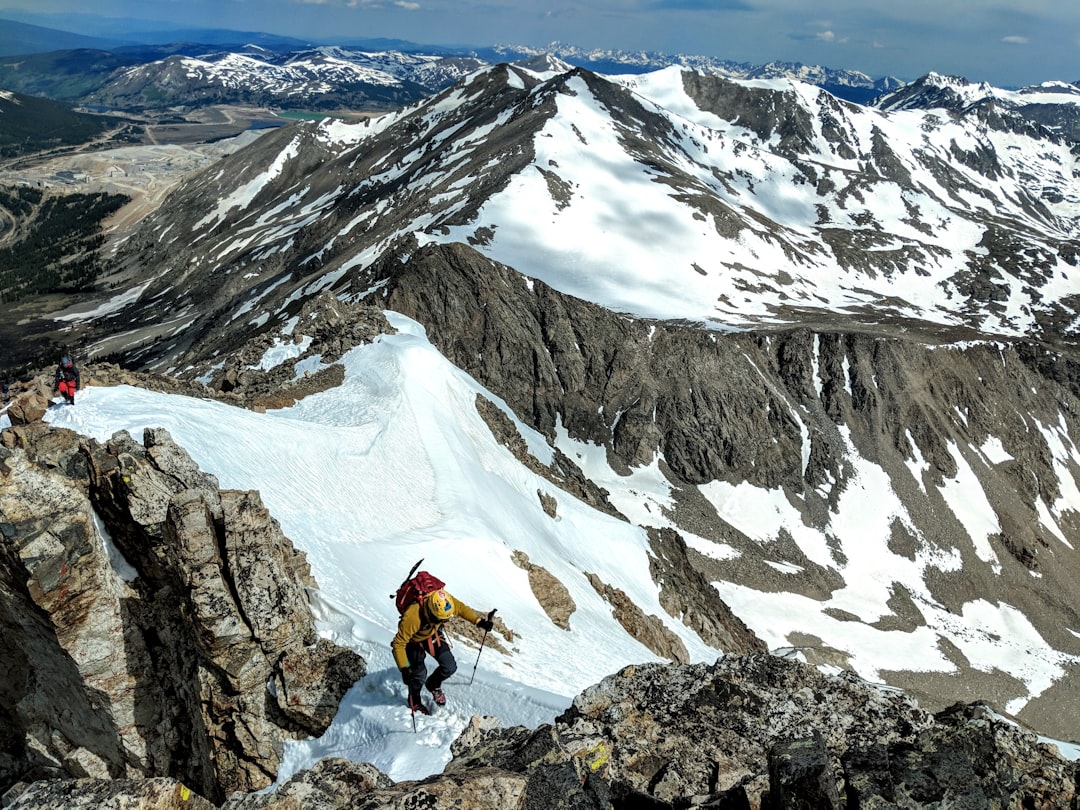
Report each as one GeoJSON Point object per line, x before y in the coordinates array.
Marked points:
{"type": "Point", "coordinates": [439, 696]}
{"type": "Point", "coordinates": [417, 705]}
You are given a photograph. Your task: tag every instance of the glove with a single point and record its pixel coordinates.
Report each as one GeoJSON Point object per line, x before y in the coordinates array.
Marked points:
{"type": "Point", "coordinates": [405, 675]}
{"type": "Point", "coordinates": [485, 625]}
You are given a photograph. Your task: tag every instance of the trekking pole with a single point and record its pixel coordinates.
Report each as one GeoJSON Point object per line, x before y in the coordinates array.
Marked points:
{"type": "Point", "coordinates": [480, 650]}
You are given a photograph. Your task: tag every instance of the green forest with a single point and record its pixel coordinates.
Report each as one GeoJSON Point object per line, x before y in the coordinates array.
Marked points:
{"type": "Point", "coordinates": [55, 249]}
{"type": "Point", "coordinates": [29, 125]}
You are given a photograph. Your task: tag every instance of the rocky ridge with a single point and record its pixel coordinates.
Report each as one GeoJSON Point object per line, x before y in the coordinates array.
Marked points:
{"type": "Point", "coordinates": [750, 731]}
{"type": "Point", "coordinates": [342, 199]}
{"type": "Point", "coordinates": [1053, 107]}
{"type": "Point", "coordinates": [796, 411]}
{"type": "Point", "coordinates": [145, 612]}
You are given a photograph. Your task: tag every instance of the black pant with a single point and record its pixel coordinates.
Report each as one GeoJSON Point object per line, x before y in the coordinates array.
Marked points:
{"type": "Point", "coordinates": [417, 651]}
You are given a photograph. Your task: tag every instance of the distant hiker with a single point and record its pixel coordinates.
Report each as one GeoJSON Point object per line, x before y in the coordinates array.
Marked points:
{"type": "Point", "coordinates": [67, 379]}
{"type": "Point", "coordinates": [420, 632]}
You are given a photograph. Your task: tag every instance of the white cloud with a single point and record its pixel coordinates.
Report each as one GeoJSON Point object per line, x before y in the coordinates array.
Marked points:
{"type": "Point", "coordinates": [1015, 40]}
{"type": "Point", "coordinates": [829, 36]}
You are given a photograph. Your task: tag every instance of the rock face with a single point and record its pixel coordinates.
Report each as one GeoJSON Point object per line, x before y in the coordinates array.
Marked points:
{"type": "Point", "coordinates": [807, 415]}
{"type": "Point", "coordinates": [759, 731]}
{"type": "Point", "coordinates": [144, 612]}
{"type": "Point", "coordinates": [752, 732]}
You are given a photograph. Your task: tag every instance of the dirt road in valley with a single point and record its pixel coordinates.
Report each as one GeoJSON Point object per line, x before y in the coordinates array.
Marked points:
{"type": "Point", "coordinates": [145, 173]}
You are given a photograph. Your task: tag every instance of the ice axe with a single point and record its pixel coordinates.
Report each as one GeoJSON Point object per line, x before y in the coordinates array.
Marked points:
{"type": "Point", "coordinates": [489, 617]}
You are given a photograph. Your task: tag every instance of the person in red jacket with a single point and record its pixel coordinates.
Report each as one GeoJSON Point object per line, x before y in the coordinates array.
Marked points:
{"type": "Point", "coordinates": [67, 379]}
{"type": "Point", "coordinates": [420, 633]}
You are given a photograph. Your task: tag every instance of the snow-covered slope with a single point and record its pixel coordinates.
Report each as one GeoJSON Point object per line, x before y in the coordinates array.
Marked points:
{"type": "Point", "coordinates": [922, 231]}
{"type": "Point", "coordinates": [1051, 107]}
{"type": "Point", "coordinates": [395, 465]}
{"type": "Point", "coordinates": [669, 195]}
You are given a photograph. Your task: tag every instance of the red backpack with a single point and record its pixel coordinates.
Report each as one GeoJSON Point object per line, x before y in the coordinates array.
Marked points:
{"type": "Point", "coordinates": [415, 588]}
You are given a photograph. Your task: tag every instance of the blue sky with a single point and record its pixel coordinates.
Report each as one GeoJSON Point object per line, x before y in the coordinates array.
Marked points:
{"type": "Point", "coordinates": [1004, 42]}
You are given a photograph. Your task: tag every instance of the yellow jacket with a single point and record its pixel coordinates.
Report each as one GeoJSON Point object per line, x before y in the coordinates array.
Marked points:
{"type": "Point", "coordinates": [416, 626]}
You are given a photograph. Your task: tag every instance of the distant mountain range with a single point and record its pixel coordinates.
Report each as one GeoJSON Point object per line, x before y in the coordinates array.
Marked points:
{"type": "Point", "coordinates": [57, 55]}
{"type": "Point", "coordinates": [137, 65]}
{"type": "Point", "coordinates": [850, 85]}
{"type": "Point", "coordinates": [315, 79]}
{"type": "Point", "coordinates": [158, 79]}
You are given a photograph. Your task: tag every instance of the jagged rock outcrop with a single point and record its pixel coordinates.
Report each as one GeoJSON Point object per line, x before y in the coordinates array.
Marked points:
{"type": "Point", "coordinates": [753, 732]}
{"type": "Point", "coordinates": [646, 628]}
{"type": "Point", "coordinates": [759, 731]}
{"type": "Point", "coordinates": [144, 612]}
{"type": "Point", "coordinates": [340, 785]}
{"type": "Point", "coordinates": [686, 593]}
{"type": "Point", "coordinates": [327, 324]}
{"type": "Point", "coordinates": [331, 783]}
{"type": "Point", "coordinates": [28, 407]}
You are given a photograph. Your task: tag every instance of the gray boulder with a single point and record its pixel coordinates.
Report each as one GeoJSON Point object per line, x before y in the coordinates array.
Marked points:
{"type": "Point", "coordinates": [760, 731]}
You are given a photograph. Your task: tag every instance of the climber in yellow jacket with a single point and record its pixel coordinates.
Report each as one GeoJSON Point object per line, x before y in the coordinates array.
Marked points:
{"type": "Point", "coordinates": [420, 633]}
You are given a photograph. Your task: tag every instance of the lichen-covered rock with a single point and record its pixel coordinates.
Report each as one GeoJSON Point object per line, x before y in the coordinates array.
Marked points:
{"type": "Point", "coordinates": [757, 731]}
{"type": "Point", "coordinates": [801, 775]}
{"type": "Point", "coordinates": [477, 789]}
{"type": "Point", "coordinates": [310, 683]}
{"type": "Point", "coordinates": [330, 784]}
{"type": "Point", "coordinates": [968, 758]}
{"type": "Point", "coordinates": [334, 784]}
{"type": "Point", "coordinates": [106, 794]}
